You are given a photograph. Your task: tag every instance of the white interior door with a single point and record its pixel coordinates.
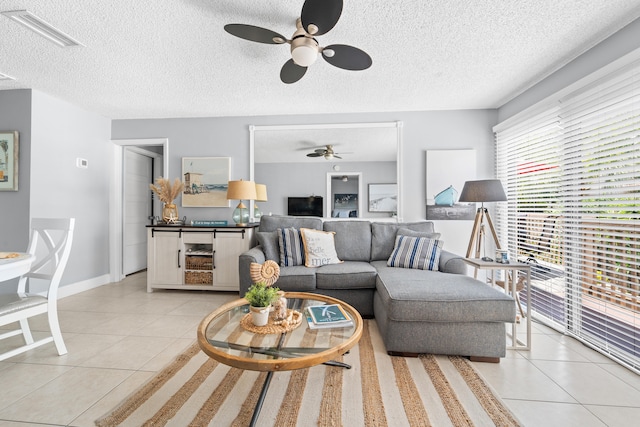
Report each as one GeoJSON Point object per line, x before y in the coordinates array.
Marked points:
{"type": "Point", "coordinates": [138, 170]}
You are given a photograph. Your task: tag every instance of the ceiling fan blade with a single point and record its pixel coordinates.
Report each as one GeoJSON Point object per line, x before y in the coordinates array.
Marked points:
{"type": "Point", "coordinates": [291, 72]}
{"type": "Point", "coordinates": [315, 154]}
{"type": "Point", "coordinates": [347, 57]}
{"type": "Point", "coordinates": [324, 14]}
{"type": "Point", "coordinates": [255, 34]}
{"type": "Point", "coordinates": [337, 157]}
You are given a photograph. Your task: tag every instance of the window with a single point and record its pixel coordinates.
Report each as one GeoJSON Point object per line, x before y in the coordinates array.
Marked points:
{"type": "Point", "coordinates": [571, 171]}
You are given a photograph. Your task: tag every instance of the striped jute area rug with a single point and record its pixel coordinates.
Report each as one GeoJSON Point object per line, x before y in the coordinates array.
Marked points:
{"type": "Point", "coordinates": [379, 390]}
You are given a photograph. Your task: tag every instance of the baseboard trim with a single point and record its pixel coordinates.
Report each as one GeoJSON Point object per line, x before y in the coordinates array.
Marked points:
{"type": "Point", "coordinates": [85, 285]}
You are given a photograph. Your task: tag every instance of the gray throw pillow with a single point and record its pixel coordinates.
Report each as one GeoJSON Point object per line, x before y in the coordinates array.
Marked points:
{"type": "Point", "coordinates": [384, 236]}
{"type": "Point", "coordinates": [291, 247]}
{"type": "Point", "coordinates": [419, 253]}
{"type": "Point", "coordinates": [268, 240]}
{"type": "Point", "coordinates": [412, 233]}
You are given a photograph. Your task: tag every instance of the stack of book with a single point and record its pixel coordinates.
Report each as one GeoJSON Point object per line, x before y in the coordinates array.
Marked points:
{"type": "Point", "coordinates": [328, 316]}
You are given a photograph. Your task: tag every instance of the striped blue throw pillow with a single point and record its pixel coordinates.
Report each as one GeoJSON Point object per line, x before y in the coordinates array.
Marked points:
{"type": "Point", "coordinates": [416, 252]}
{"type": "Point", "coordinates": [291, 247]}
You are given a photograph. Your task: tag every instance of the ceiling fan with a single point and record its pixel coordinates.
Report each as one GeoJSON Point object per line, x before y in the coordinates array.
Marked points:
{"type": "Point", "coordinates": [326, 152]}
{"type": "Point", "coordinates": [317, 18]}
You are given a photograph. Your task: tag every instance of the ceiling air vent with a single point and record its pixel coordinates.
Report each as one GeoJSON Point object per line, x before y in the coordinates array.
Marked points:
{"type": "Point", "coordinates": [41, 27]}
{"type": "Point", "coordinates": [5, 77]}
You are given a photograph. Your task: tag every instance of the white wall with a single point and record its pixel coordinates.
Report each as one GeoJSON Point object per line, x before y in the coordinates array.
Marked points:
{"type": "Point", "coordinates": [229, 137]}
{"type": "Point", "coordinates": [62, 132]}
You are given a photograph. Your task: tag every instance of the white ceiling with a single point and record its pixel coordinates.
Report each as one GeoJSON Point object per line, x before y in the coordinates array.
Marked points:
{"type": "Point", "coordinates": [172, 58]}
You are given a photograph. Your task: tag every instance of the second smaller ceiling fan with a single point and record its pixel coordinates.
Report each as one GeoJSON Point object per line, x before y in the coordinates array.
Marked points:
{"type": "Point", "coordinates": [326, 152]}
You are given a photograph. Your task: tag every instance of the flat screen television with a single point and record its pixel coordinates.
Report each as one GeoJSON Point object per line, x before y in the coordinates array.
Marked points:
{"type": "Point", "coordinates": [305, 206]}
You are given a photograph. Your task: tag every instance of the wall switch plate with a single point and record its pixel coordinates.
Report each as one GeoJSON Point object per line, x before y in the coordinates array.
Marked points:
{"type": "Point", "coordinates": [82, 163]}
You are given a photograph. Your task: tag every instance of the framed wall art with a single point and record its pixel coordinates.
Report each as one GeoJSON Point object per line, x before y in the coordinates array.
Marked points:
{"type": "Point", "coordinates": [9, 161]}
{"type": "Point", "coordinates": [447, 168]}
{"type": "Point", "coordinates": [206, 180]}
{"type": "Point", "coordinates": [383, 197]}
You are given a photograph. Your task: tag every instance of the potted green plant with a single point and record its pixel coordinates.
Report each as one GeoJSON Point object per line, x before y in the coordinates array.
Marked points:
{"type": "Point", "coordinates": [260, 297]}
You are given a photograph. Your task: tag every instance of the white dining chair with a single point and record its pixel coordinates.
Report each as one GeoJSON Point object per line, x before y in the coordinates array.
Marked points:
{"type": "Point", "coordinates": [50, 262]}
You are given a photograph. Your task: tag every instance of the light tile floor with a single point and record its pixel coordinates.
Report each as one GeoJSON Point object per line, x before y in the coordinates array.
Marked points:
{"type": "Point", "coordinates": [118, 335]}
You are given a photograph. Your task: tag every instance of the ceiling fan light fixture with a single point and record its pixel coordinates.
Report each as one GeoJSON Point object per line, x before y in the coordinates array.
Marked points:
{"type": "Point", "coordinates": [304, 55]}
{"type": "Point", "coordinates": [304, 51]}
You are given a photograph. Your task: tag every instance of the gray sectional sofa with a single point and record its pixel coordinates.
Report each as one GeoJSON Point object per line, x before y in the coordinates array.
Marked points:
{"type": "Point", "coordinates": [417, 311]}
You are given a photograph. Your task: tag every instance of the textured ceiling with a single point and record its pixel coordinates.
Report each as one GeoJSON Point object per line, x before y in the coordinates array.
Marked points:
{"type": "Point", "coordinates": [172, 58]}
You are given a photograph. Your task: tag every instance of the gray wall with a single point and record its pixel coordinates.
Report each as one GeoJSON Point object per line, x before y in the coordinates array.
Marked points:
{"type": "Point", "coordinates": [305, 179]}
{"type": "Point", "coordinates": [15, 115]}
{"type": "Point", "coordinates": [229, 137]}
{"type": "Point", "coordinates": [612, 48]}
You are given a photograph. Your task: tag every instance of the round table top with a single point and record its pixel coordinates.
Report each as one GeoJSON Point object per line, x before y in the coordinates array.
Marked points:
{"type": "Point", "coordinates": [221, 336]}
{"type": "Point", "coordinates": [14, 264]}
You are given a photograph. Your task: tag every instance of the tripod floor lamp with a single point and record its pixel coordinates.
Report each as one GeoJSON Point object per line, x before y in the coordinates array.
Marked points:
{"type": "Point", "coordinates": [487, 190]}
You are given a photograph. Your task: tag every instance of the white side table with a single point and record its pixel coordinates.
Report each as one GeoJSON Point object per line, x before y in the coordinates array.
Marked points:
{"type": "Point", "coordinates": [512, 267]}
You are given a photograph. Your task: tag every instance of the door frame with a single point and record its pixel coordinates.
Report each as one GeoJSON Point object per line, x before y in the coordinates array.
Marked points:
{"type": "Point", "coordinates": [328, 203]}
{"type": "Point", "coordinates": [116, 192]}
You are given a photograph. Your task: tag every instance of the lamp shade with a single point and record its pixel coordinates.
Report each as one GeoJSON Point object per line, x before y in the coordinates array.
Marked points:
{"type": "Point", "coordinates": [241, 190]}
{"type": "Point", "coordinates": [261, 193]}
{"type": "Point", "coordinates": [486, 190]}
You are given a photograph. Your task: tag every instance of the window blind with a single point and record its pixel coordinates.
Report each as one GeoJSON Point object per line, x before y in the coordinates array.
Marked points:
{"type": "Point", "coordinates": [572, 176]}
{"type": "Point", "coordinates": [529, 164]}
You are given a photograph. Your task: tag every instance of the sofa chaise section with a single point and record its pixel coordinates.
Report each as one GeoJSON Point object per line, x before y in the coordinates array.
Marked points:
{"type": "Point", "coordinates": [442, 314]}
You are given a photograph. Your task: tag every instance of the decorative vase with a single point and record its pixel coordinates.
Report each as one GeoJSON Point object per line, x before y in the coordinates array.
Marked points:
{"type": "Point", "coordinates": [170, 213]}
{"type": "Point", "coordinates": [259, 315]}
{"type": "Point", "coordinates": [280, 307]}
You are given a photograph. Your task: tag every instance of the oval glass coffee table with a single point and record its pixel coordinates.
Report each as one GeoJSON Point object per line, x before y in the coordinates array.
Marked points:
{"type": "Point", "coordinates": [222, 337]}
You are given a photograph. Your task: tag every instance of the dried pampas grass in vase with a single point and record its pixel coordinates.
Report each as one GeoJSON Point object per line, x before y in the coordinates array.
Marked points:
{"type": "Point", "coordinates": [167, 193]}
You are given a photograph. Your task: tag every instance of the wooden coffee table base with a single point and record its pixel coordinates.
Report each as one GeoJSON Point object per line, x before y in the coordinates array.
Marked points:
{"type": "Point", "coordinates": [267, 382]}
{"type": "Point", "coordinates": [278, 357]}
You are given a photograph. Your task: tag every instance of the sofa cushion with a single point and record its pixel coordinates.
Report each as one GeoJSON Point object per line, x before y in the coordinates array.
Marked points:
{"type": "Point", "coordinates": [348, 275]}
{"type": "Point", "coordinates": [383, 236]}
{"type": "Point", "coordinates": [353, 239]}
{"type": "Point", "coordinates": [268, 241]}
{"type": "Point", "coordinates": [291, 247]}
{"type": "Point", "coordinates": [273, 222]}
{"type": "Point", "coordinates": [431, 296]}
{"type": "Point", "coordinates": [415, 252]}
{"type": "Point", "coordinates": [298, 279]}
{"type": "Point", "coordinates": [319, 247]}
